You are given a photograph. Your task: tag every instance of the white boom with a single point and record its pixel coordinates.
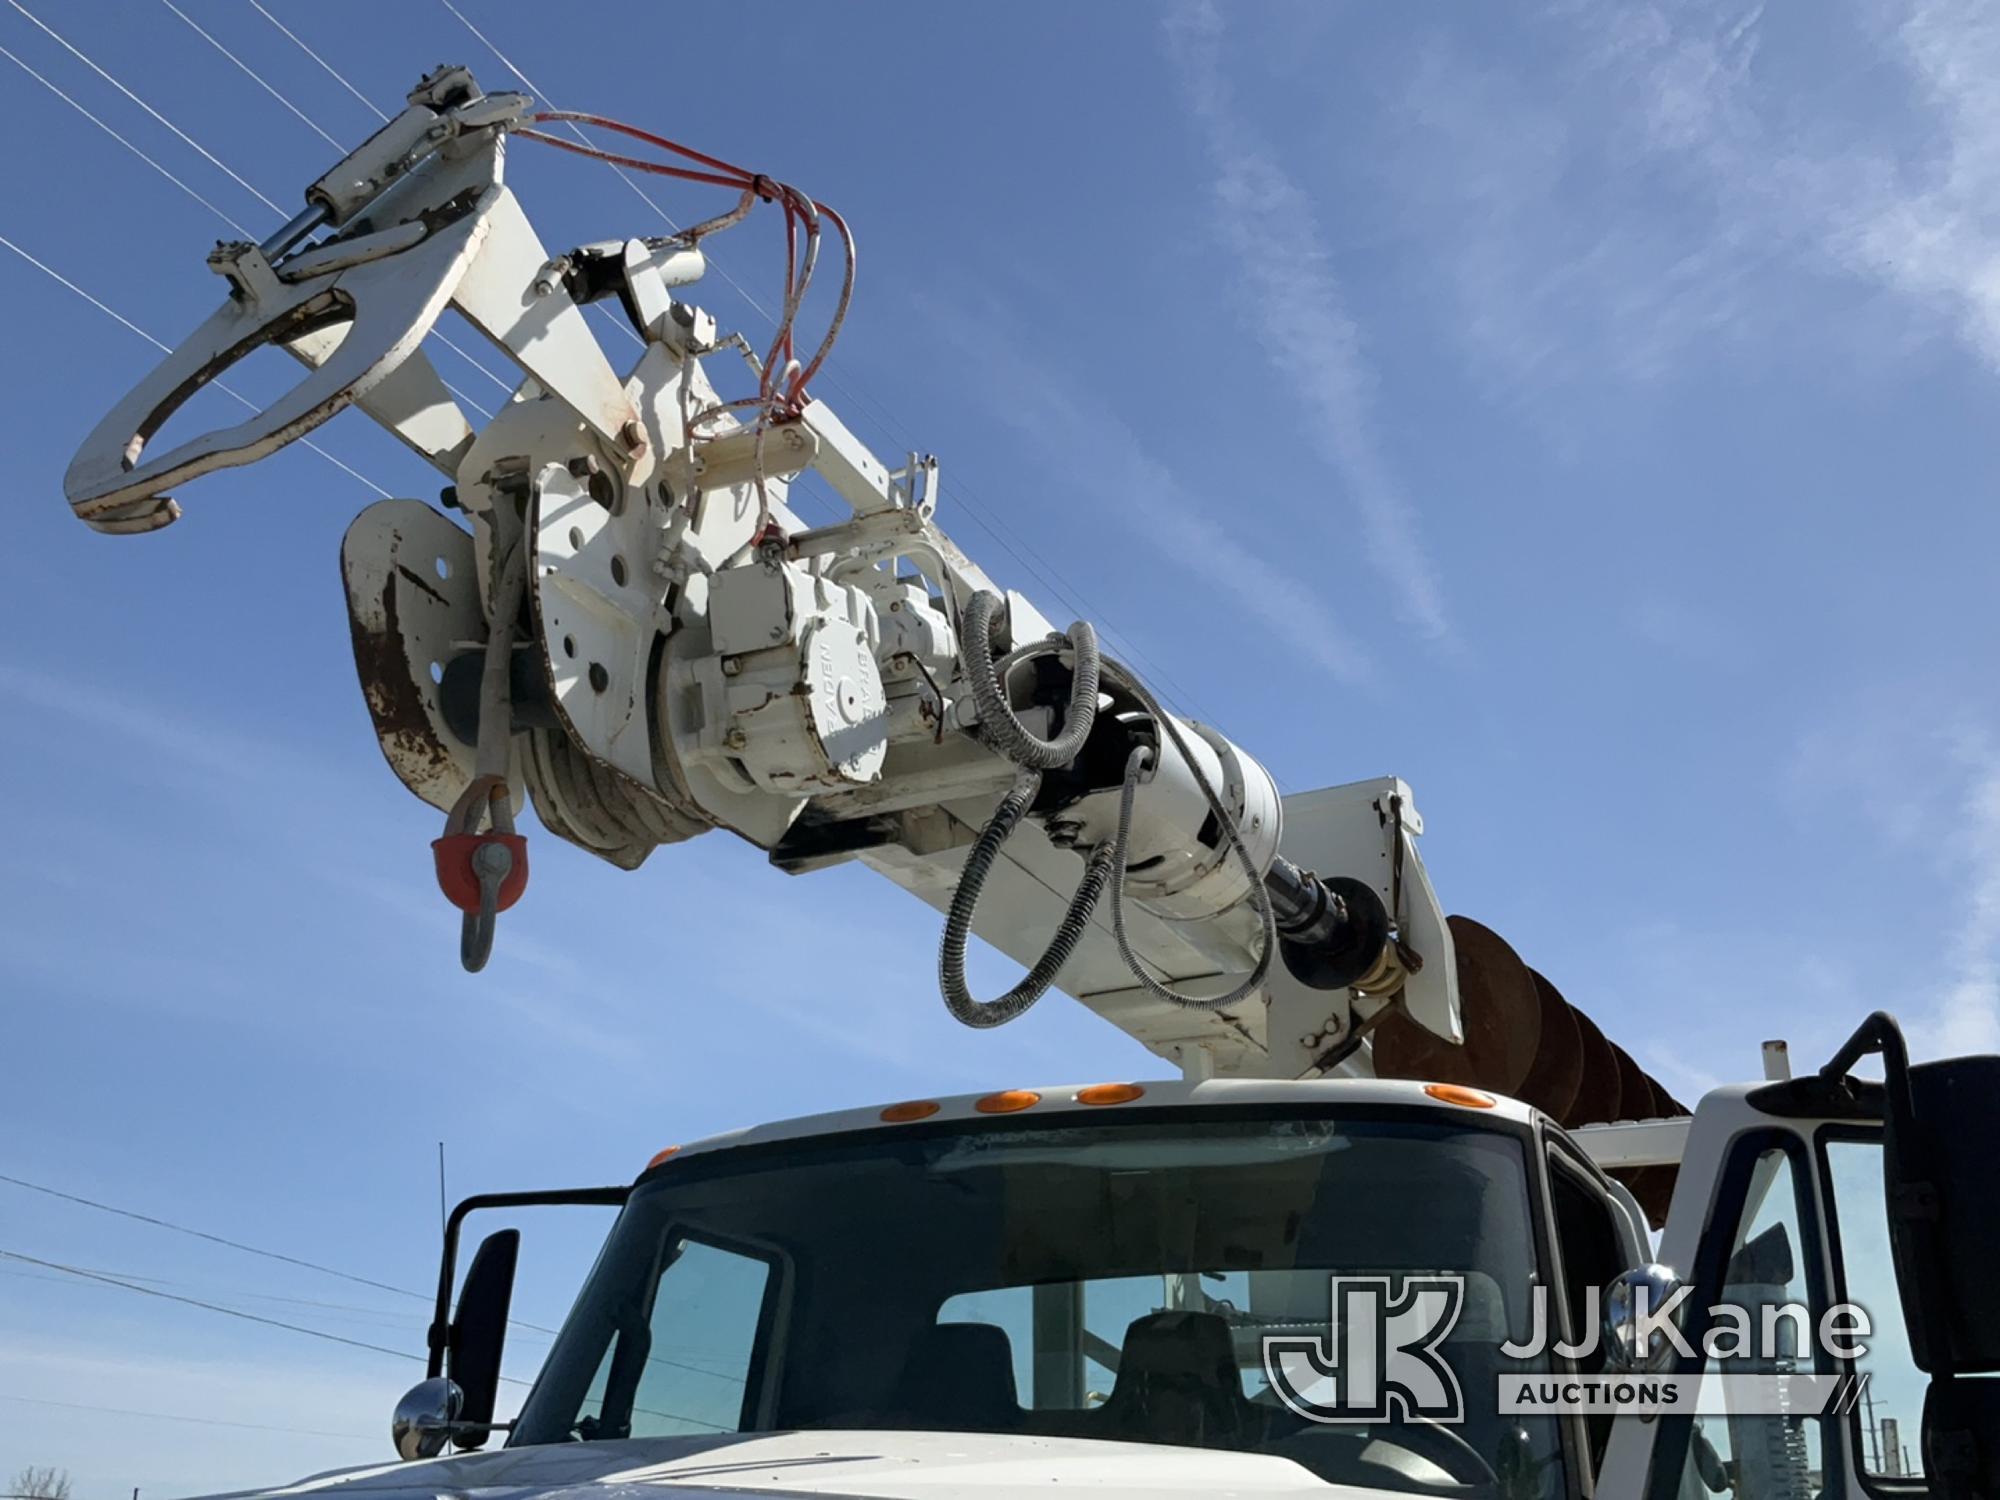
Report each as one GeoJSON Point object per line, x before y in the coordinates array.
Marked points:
{"type": "Point", "coordinates": [639, 635]}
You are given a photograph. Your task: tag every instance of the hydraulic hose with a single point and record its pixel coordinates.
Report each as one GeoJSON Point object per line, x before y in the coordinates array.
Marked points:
{"type": "Point", "coordinates": [997, 723]}
{"type": "Point", "coordinates": [1106, 864]}
{"type": "Point", "coordinates": [979, 862]}
{"type": "Point", "coordinates": [1136, 765]}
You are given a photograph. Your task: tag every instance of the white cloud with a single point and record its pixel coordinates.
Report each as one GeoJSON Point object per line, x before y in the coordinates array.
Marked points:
{"type": "Point", "coordinates": [1296, 305]}
{"type": "Point", "coordinates": [1966, 1015]}
{"type": "Point", "coordinates": [1051, 411]}
{"type": "Point", "coordinates": [1673, 179]}
{"type": "Point", "coordinates": [1928, 789]}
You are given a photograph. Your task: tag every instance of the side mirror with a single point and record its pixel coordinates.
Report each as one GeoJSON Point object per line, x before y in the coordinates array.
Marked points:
{"type": "Point", "coordinates": [1636, 1307]}
{"type": "Point", "coordinates": [425, 1418]}
{"type": "Point", "coordinates": [478, 1333]}
{"type": "Point", "coordinates": [1942, 1176]}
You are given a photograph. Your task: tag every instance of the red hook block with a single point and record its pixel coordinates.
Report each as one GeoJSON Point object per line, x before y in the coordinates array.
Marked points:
{"type": "Point", "coordinates": [460, 882]}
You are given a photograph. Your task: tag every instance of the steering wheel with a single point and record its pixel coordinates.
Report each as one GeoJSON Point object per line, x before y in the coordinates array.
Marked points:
{"type": "Point", "coordinates": [1425, 1437]}
{"type": "Point", "coordinates": [1440, 1439]}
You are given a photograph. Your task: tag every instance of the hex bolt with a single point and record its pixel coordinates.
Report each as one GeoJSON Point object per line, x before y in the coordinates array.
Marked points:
{"type": "Point", "coordinates": [736, 739]}
{"type": "Point", "coordinates": [633, 436]}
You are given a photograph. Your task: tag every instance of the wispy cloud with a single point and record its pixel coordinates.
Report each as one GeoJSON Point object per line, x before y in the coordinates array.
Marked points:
{"type": "Point", "coordinates": [1697, 184]}
{"type": "Point", "coordinates": [1929, 794]}
{"type": "Point", "coordinates": [1050, 409]}
{"type": "Point", "coordinates": [1966, 1014]}
{"type": "Point", "coordinates": [1295, 303]}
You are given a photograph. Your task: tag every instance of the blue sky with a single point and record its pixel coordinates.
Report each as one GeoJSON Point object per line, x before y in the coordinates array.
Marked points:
{"type": "Point", "coordinates": [1580, 412]}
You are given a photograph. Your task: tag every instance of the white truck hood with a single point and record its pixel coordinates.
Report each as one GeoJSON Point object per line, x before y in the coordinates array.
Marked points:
{"type": "Point", "coordinates": [854, 1465]}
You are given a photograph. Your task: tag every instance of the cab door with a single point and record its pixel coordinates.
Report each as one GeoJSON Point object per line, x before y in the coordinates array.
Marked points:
{"type": "Point", "coordinates": [1822, 1206]}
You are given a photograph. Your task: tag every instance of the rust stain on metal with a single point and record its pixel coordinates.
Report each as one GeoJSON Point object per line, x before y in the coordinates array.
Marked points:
{"type": "Point", "coordinates": [421, 582]}
{"type": "Point", "coordinates": [395, 701]}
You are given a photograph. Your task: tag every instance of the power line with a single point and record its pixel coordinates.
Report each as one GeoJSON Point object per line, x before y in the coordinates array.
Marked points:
{"type": "Point", "coordinates": [190, 140]}
{"type": "Point", "coordinates": [228, 1312]}
{"type": "Point", "coordinates": [297, 42]}
{"type": "Point", "coordinates": [121, 140]}
{"type": "Point", "coordinates": [214, 1307]}
{"type": "Point", "coordinates": [131, 1282]}
{"type": "Point", "coordinates": [1030, 560]}
{"type": "Point", "coordinates": [354, 1311]}
{"type": "Point", "coordinates": [310, 123]}
{"type": "Point", "coordinates": [1039, 567]}
{"type": "Point", "coordinates": [1024, 554]}
{"type": "Point", "coordinates": [203, 201]}
{"type": "Point", "coordinates": [214, 1239]}
{"type": "Point", "coordinates": [239, 1245]}
{"type": "Point", "coordinates": [168, 1416]}
{"type": "Point", "coordinates": [228, 390]}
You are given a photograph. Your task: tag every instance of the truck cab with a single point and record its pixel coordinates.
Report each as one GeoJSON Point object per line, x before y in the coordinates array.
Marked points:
{"type": "Point", "coordinates": [1098, 1285]}
{"type": "Point", "coordinates": [1101, 1265]}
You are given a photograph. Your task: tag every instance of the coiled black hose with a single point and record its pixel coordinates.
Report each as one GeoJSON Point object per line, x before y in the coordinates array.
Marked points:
{"type": "Point", "coordinates": [958, 998]}
{"type": "Point", "coordinates": [997, 724]}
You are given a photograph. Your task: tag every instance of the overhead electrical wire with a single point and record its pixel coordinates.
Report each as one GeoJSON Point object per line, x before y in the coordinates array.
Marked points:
{"type": "Point", "coordinates": [993, 528]}
{"type": "Point", "coordinates": [367, 103]}
{"type": "Point", "coordinates": [204, 202]}
{"type": "Point", "coordinates": [105, 74]}
{"type": "Point", "coordinates": [320, 1333]}
{"type": "Point", "coordinates": [189, 140]}
{"type": "Point", "coordinates": [213, 1239]}
{"type": "Point", "coordinates": [273, 1255]}
{"type": "Point", "coordinates": [214, 1307]}
{"type": "Point", "coordinates": [343, 1312]}
{"type": "Point", "coordinates": [726, 173]}
{"type": "Point", "coordinates": [111, 312]}
{"type": "Point", "coordinates": [1024, 553]}
{"type": "Point", "coordinates": [309, 122]}
{"type": "Point", "coordinates": [121, 140]}
{"type": "Point", "coordinates": [168, 1416]}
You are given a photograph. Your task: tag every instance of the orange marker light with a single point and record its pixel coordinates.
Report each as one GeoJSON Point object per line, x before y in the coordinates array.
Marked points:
{"type": "Point", "coordinates": [1109, 1093]}
{"type": "Point", "coordinates": [1008, 1101]}
{"type": "Point", "coordinates": [661, 1156]}
{"type": "Point", "coordinates": [916, 1109]}
{"type": "Point", "coordinates": [1451, 1093]}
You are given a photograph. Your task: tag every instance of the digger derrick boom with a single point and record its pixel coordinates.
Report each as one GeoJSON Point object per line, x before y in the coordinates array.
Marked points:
{"type": "Point", "coordinates": [630, 628]}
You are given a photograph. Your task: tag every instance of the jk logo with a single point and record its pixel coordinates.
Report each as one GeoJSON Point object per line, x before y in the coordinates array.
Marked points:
{"type": "Point", "coordinates": [1379, 1360]}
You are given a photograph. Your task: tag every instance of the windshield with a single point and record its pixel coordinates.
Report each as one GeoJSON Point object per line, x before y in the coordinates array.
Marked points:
{"type": "Point", "coordinates": [1109, 1279]}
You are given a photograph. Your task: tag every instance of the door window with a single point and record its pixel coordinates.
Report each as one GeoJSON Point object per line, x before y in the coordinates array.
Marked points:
{"type": "Point", "coordinates": [1593, 1256]}
{"type": "Point", "coordinates": [1891, 1408]}
{"type": "Point", "coordinates": [684, 1367]}
{"type": "Point", "coordinates": [1767, 1270]}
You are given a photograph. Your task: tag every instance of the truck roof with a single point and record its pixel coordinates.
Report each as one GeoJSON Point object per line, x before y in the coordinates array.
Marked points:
{"type": "Point", "coordinates": [1072, 1100]}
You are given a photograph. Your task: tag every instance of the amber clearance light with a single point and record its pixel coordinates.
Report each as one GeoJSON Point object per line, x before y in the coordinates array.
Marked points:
{"type": "Point", "coordinates": [1110, 1093]}
{"type": "Point", "coordinates": [1008, 1102]}
{"type": "Point", "coordinates": [1451, 1093]}
{"type": "Point", "coordinates": [660, 1156]}
{"type": "Point", "coordinates": [915, 1109]}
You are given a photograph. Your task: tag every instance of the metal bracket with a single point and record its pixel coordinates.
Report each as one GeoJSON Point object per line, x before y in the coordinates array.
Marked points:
{"type": "Point", "coordinates": [386, 302]}
{"type": "Point", "coordinates": [412, 604]}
